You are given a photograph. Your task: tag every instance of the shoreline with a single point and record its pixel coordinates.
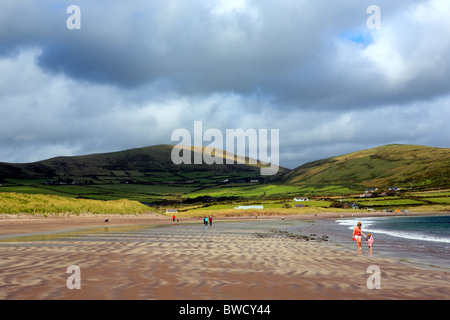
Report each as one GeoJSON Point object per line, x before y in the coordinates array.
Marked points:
{"type": "Point", "coordinates": [18, 224]}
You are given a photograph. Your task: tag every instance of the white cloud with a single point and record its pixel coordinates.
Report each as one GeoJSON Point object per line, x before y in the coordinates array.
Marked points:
{"type": "Point", "coordinates": [413, 44]}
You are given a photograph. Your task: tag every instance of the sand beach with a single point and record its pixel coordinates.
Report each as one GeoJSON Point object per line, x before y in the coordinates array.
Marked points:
{"type": "Point", "coordinates": [150, 257]}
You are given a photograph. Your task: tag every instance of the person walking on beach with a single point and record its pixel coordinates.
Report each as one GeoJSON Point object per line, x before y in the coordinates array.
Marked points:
{"type": "Point", "coordinates": [210, 220]}
{"type": "Point", "coordinates": [357, 232]}
{"type": "Point", "coordinates": [173, 218]}
{"type": "Point", "coordinates": [205, 221]}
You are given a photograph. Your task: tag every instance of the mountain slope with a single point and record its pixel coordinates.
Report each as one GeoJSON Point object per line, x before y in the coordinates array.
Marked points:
{"type": "Point", "coordinates": [385, 166]}
{"type": "Point", "coordinates": [149, 164]}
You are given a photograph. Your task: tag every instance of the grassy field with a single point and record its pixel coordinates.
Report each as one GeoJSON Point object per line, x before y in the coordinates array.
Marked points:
{"type": "Point", "coordinates": [147, 193]}
{"type": "Point", "coordinates": [138, 192]}
{"type": "Point", "coordinates": [391, 202]}
{"type": "Point", "coordinates": [266, 204]}
{"type": "Point", "coordinates": [269, 191]}
{"type": "Point", "coordinates": [12, 202]}
{"type": "Point", "coordinates": [36, 197]}
{"type": "Point", "coordinates": [435, 193]}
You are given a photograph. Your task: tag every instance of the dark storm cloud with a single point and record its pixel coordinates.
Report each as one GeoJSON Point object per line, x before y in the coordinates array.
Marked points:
{"type": "Point", "coordinates": [285, 49]}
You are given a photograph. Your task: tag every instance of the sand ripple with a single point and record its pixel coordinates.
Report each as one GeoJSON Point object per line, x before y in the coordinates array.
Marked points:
{"type": "Point", "coordinates": [226, 261]}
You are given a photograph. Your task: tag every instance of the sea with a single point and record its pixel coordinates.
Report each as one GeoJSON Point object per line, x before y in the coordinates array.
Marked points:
{"type": "Point", "coordinates": [416, 239]}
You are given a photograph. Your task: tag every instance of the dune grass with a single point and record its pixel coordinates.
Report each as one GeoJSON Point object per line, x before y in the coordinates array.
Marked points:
{"type": "Point", "coordinates": [12, 203]}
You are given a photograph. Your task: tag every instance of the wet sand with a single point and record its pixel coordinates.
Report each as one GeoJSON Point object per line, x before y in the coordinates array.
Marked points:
{"type": "Point", "coordinates": [25, 223]}
{"type": "Point", "coordinates": [238, 259]}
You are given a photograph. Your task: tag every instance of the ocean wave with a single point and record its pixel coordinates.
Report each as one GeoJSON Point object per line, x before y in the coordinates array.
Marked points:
{"type": "Point", "coordinates": [369, 225]}
{"type": "Point", "coordinates": [351, 223]}
{"type": "Point", "coordinates": [412, 235]}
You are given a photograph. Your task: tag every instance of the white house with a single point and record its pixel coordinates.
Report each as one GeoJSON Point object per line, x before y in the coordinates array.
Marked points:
{"type": "Point", "coordinates": [301, 199]}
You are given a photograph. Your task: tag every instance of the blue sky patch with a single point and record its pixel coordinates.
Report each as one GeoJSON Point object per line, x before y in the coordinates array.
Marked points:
{"type": "Point", "coordinates": [358, 37]}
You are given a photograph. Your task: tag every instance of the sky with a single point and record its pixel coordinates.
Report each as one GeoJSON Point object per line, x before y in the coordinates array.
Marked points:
{"type": "Point", "coordinates": [332, 76]}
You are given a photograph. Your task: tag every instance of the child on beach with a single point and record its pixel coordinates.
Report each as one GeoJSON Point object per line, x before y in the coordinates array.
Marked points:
{"type": "Point", "coordinates": [369, 241]}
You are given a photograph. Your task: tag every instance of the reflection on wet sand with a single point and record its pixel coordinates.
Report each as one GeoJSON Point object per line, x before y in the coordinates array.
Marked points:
{"type": "Point", "coordinates": [72, 233]}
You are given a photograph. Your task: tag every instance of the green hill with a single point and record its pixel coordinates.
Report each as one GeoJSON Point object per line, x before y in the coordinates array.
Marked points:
{"type": "Point", "coordinates": [151, 165]}
{"type": "Point", "coordinates": [148, 175]}
{"type": "Point", "coordinates": [387, 166]}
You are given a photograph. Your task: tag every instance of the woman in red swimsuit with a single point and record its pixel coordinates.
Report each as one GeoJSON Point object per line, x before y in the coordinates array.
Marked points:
{"type": "Point", "coordinates": [357, 235]}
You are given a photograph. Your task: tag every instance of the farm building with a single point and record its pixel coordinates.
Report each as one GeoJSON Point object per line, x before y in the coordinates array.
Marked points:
{"type": "Point", "coordinates": [249, 207]}
{"type": "Point", "coordinates": [301, 199]}
{"type": "Point", "coordinates": [351, 205]}
{"type": "Point", "coordinates": [366, 195]}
